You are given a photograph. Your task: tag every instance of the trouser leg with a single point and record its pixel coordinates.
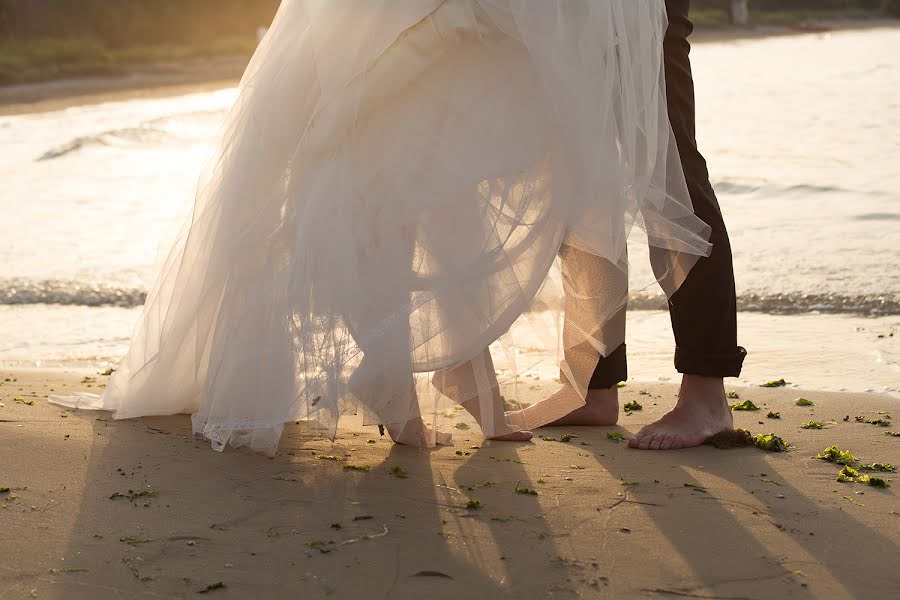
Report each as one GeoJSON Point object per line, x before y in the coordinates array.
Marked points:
{"type": "Point", "coordinates": [703, 310]}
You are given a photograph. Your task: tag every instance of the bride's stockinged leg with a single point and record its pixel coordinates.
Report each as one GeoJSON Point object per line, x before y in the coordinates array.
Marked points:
{"type": "Point", "coordinates": [461, 384]}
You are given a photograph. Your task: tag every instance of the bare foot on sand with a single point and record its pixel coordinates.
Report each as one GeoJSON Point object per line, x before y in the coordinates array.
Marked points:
{"type": "Point", "coordinates": [601, 407]}
{"type": "Point", "coordinates": [460, 382]}
{"type": "Point", "coordinates": [417, 433]}
{"type": "Point", "coordinates": [701, 412]}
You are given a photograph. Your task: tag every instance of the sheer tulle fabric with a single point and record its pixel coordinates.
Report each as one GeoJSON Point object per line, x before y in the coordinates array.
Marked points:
{"type": "Point", "coordinates": [392, 190]}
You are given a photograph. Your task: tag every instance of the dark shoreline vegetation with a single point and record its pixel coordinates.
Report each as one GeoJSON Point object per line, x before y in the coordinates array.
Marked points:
{"type": "Point", "coordinates": [46, 40]}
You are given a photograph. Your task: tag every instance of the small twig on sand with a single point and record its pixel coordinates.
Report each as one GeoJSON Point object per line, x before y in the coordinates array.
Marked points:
{"type": "Point", "coordinates": [363, 538]}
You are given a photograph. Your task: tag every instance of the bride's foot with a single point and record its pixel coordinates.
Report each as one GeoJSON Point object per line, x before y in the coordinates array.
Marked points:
{"type": "Point", "coordinates": [416, 433]}
{"type": "Point", "coordinates": [449, 383]}
{"type": "Point", "coordinates": [601, 407]}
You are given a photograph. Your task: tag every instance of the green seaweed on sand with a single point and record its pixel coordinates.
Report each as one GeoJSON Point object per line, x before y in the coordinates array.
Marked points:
{"type": "Point", "coordinates": [132, 495]}
{"type": "Point", "coordinates": [108, 372]}
{"type": "Point", "coordinates": [381, 430]}
{"type": "Point", "coordinates": [773, 415]}
{"type": "Point", "coordinates": [336, 526]}
{"type": "Point", "coordinates": [848, 474]}
{"type": "Point", "coordinates": [695, 486]}
{"type": "Point", "coordinates": [733, 395]}
{"type": "Point", "coordinates": [804, 402]}
{"type": "Point", "coordinates": [133, 541]}
{"type": "Point", "coordinates": [631, 406]}
{"type": "Point", "coordinates": [873, 481]}
{"type": "Point", "coordinates": [770, 443]}
{"type": "Point", "coordinates": [473, 505]}
{"type": "Point", "coordinates": [565, 439]}
{"type": "Point", "coordinates": [621, 384]}
{"type": "Point", "coordinates": [4, 490]}
{"type": "Point", "coordinates": [745, 405]}
{"type": "Point", "coordinates": [837, 456]}
{"type": "Point", "coordinates": [879, 467]}
{"type": "Point", "coordinates": [616, 436]}
{"type": "Point", "coordinates": [777, 383]}
{"type": "Point", "coordinates": [879, 422]}
{"type": "Point", "coordinates": [20, 400]}
{"type": "Point", "coordinates": [892, 433]}
{"type": "Point", "coordinates": [212, 587]}
{"type": "Point", "coordinates": [461, 453]}
{"type": "Point", "coordinates": [629, 483]}
{"type": "Point", "coordinates": [524, 490]}
{"type": "Point", "coordinates": [812, 425]}
{"type": "Point", "coordinates": [357, 467]}
{"type": "Point", "coordinates": [399, 472]}
{"type": "Point", "coordinates": [461, 426]}
{"type": "Point", "coordinates": [329, 457]}
{"type": "Point", "coordinates": [67, 570]}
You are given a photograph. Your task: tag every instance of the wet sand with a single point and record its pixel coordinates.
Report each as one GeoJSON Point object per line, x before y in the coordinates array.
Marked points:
{"type": "Point", "coordinates": [203, 75]}
{"type": "Point", "coordinates": [140, 508]}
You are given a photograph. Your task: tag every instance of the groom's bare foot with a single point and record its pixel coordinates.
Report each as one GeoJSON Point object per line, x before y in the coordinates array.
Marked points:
{"type": "Point", "coordinates": [417, 433]}
{"type": "Point", "coordinates": [601, 407]}
{"type": "Point", "coordinates": [701, 412]}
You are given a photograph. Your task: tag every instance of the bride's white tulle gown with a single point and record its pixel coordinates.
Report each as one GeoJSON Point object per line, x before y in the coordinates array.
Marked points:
{"type": "Point", "coordinates": [392, 188]}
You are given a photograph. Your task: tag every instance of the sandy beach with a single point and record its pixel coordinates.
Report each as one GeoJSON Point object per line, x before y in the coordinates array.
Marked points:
{"type": "Point", "coordinates": [140, 508]}
{"type": "Point", "coordinates": [159, 80]}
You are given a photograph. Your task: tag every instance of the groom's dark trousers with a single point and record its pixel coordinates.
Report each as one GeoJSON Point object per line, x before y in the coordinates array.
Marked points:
{"type": "Point", "coordinates": [703, 311]}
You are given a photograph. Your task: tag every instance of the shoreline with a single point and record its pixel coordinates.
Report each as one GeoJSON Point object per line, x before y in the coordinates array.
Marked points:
{"type": "Point", "coordinates": [161, 80]}
{"type": "Point", "coordinates": [95, 508]}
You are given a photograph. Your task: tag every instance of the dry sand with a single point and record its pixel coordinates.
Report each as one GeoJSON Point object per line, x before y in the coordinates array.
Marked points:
{"type": "Point", "coordinates": [606, 521]}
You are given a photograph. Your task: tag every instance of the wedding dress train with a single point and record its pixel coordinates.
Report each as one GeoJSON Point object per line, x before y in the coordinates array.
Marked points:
{"type": "Point", "coordinates": [391, 191]}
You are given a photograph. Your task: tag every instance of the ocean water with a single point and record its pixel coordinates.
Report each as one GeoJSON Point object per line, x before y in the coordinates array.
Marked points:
{"type": "Point", "coordinates": [802, 135]}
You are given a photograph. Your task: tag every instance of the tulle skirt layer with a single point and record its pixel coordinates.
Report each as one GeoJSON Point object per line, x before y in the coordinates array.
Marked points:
{"type": "Point", "coordinates": [393, 188]}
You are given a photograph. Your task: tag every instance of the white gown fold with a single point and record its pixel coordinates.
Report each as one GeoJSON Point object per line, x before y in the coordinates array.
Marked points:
{"type": "Point", "coordinates": [392, 189]}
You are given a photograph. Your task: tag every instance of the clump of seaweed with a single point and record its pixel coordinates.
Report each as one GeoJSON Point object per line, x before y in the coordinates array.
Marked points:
{"type": "Point", "coordinates": [812, 425]}
{"type": "Point", "coordinates": [880, 422]}
{"type": "Point", "coordinates": [731, 438]}
{"type": "Point", "coordinates": [461, 426]}
{"type": "Point", "coordinates": [777, 383]}
{"type": "Point", "coordinates": [524, 490]}
{"type": "Point", "coordinates": [848, 474]}
{"type": "Point", "coordinates": [804, 402]}
{"type": "Point", "coordinates": [877, 482]}
{"type": "Point", "coordinates": [334, 458]}
{"type": "Point", "coordinates": [879, 467]}
{"type": "Point", "coordinates": [892, 433]}
{"type": "Point", "coordinates": [212, 587]}
{"type": "Point", "coordinates": [732, 395]}
{"type": "Point", "coordinates": [745, 405]}
{"type": "Point", "coordinates": [357, 467]}
{"type": "Point", "coordinates": [132, 495]}
{"type": "Point", "coordinates": [473, 505]}
{"type": "Point", "coordinates": [837, 456]}
{"type": "Point", "coordinates": [773, 415]}
{"type": "Point", "coordinates": [399, 472]}
{"type": "Point", "coordinates": [565, 439]}
{"type": "Point", "coordinates": [770, 443]}
{"type": "Point", "coordinates": [631, 406]}
{"type": "Point", "coordinates": [616, 436]}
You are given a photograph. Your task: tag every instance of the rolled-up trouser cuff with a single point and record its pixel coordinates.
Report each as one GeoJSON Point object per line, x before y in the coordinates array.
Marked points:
{"type": "Point", "coordinates": [610, 370]}
{"type": "Point", "coordinates": [708, 364]}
